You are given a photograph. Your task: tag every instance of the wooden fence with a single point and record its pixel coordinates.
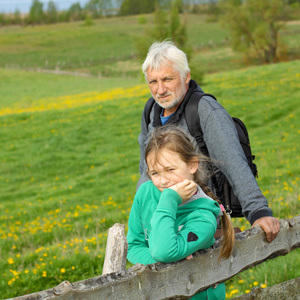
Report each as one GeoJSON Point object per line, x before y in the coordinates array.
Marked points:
{"type": "Point", "coordinates": [182, 279]}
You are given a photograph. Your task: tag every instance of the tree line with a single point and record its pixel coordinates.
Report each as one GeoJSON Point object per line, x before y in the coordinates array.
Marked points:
{"type": "Point", "coordinates": [94, 9]}
{"type": "Point", "coordinates": [50, 14]}
{"type": "Point", "coordinates": [253, 25]}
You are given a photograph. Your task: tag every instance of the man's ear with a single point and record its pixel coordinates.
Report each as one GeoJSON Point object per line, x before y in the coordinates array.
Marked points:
{"type": "Point", "coordinates": [188, 78]}
{"type": "Point", "coordinates": [194, 165]}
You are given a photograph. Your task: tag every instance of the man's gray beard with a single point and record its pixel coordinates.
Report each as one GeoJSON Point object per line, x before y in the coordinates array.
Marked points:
{"type": "Point", "coordinates": [175, 101]}
{"type": "Point", "coordinates": [171, 105]}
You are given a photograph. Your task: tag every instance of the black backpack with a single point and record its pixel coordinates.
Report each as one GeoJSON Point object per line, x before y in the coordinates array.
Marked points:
{"type": "Point", "coordinates": [222, 186]}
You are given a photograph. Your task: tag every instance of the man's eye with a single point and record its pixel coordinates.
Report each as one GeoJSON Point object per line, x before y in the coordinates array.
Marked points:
{"type": "Point", "coordinates": [168, 79]}
{"type": "Point", "coordinates": [152, 82]}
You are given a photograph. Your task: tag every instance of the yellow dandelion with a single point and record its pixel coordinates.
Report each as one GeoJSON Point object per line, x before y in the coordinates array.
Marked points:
{"type": "Point", "coordinates": [63, 270]}
{"type": "Point", "coordinates": [11, 261]}
{"type": "Point", "coordinates": [234, 291]}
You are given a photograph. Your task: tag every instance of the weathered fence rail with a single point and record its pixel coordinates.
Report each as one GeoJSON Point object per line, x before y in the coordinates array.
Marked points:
{"type": "Point", "coordinates": [182, 279]}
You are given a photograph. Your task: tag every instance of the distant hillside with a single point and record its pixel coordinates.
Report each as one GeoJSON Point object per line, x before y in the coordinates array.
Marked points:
{"type": "Point", "coordinates": [107, 48]}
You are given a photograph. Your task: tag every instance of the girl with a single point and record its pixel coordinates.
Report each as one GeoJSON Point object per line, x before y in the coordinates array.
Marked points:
{"type": "Point", "coordinates": [174, 214]}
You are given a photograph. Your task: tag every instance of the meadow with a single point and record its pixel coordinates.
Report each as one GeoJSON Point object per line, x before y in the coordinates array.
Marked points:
{"type": "Point", "coordinates": [69, 167]}
{"type": "Point", "coordinates": [69, 152]}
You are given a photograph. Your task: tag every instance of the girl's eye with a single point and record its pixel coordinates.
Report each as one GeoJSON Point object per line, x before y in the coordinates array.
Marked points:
{"type": "Point", "coordinates": [171, 170]}
{"type": "Point", "coordinates": [154, 174]}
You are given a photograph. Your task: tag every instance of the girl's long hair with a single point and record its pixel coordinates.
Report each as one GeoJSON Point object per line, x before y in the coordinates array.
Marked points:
{"type": "Point", "coordinates": [174, 139]}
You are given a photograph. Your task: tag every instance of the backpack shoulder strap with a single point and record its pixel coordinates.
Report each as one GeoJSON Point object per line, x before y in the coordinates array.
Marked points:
{"type": "Point", "coordinates": [193, 120]}
{"type": "Point", "coordinates": [147, 110]}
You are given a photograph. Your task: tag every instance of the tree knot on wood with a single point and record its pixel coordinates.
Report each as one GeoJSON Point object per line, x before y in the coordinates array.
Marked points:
{"type": "Point", "coordinates": [62, 288]}
{"type": "Point", "coordinates": [138, 268]}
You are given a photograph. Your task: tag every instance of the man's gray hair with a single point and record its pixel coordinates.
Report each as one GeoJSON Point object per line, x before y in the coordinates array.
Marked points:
{"type": "Point", "coordinates": [164, 52]}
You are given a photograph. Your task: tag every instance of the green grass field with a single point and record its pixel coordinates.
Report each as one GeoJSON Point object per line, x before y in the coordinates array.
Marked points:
{"type": "Point", "coordinates": [69, 167]}
{"type": "Point", "coordinates": [69, 152]}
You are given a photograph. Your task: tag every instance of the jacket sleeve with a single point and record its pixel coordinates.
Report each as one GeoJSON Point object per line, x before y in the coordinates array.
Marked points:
{"type": "Point", "coordinates": [138, 249]}
{"type": "Point", "coordinates": [166, 243]}
{"type": "Point", "coordinates": [221, 138]}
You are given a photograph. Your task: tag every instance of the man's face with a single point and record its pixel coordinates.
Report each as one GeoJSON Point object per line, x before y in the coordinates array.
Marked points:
{"type": "Point", "coordinates": [167, 87]}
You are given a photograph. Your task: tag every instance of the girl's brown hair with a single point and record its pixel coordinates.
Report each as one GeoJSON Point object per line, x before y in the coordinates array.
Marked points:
{"type": "Point", "coordinates": [176, 140]}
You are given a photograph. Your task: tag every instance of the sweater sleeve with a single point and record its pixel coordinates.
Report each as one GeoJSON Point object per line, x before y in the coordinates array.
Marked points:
{"type": "Point", "coordinates": [166, 243]}
{"type": "Point", "coordinates": [223, 144]}
{"type": "Point", "coordinates": [138, 249]}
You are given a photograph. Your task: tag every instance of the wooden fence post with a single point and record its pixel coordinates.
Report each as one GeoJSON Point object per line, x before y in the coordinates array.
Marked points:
{"type": "Point", "coordinates": [116, 250]}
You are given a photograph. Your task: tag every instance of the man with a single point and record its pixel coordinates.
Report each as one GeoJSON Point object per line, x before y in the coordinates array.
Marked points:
{"type": "Point", "coordinates": [168, 76]}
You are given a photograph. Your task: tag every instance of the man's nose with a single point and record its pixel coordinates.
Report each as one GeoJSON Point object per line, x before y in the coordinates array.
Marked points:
{"type": "Point", "coordinates": [161, 88]}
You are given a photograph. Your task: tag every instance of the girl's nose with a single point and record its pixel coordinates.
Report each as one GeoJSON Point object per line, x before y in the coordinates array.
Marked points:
{"type": "Point", "coordinates": [164, 180]}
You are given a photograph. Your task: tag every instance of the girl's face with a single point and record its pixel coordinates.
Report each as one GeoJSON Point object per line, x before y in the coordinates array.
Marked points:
{"type": "Point", "coordinates": [170, 169]}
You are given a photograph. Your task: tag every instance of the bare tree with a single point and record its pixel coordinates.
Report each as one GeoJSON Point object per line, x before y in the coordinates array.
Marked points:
{"type": "Point", "coordinates": [254, 27]}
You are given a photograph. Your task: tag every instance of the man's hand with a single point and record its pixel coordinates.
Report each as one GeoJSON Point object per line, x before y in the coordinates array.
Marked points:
{"type": "Point", "coordinates": [270, 225]}
{"type": "Point", "coordinates": [186, 189]}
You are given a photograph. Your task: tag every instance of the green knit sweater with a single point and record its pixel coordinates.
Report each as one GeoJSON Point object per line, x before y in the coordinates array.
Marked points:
{"type": "Point", "coordinates": [162, 229]}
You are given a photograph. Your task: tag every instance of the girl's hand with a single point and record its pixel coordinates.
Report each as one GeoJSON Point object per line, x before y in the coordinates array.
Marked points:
{"type": "Point", "coordinates": [189, 257]}
{"type": "Point", "coordinates": [186, 189]}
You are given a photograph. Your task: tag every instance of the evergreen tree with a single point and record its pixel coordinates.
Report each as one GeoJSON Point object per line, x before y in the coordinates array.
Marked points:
{"type": "Point", "coordinates": [134, 7]}
{"type": "Point", "coordinates": [76, 12]}
{"type": "Point", "coordinates": [178, 30]}
{"type": "Point", "coordinates": [161, 27]}
{"type": "Point", "coordinates": [166, 25]}
{"type": "Point", "coordinates": [98, 8]}
{"type": "Point", "coordinates": [52, 15]}
{"type": "Point", "coordinates": [2, 19]}
{"type": "Point", "coordinates": [93, 7]}
{"type": "Point", "coordinates": [17, 17]}
{"type": "Point", "coordinates": [36, 13]}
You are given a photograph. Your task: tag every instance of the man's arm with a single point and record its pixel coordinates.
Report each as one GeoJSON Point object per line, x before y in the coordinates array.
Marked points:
{"type": "Point", "coordinates": [223, 144]}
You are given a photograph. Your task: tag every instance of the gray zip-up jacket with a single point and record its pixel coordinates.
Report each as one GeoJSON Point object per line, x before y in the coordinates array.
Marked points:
{"type": "Point", "coordinates": [221, 139]}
